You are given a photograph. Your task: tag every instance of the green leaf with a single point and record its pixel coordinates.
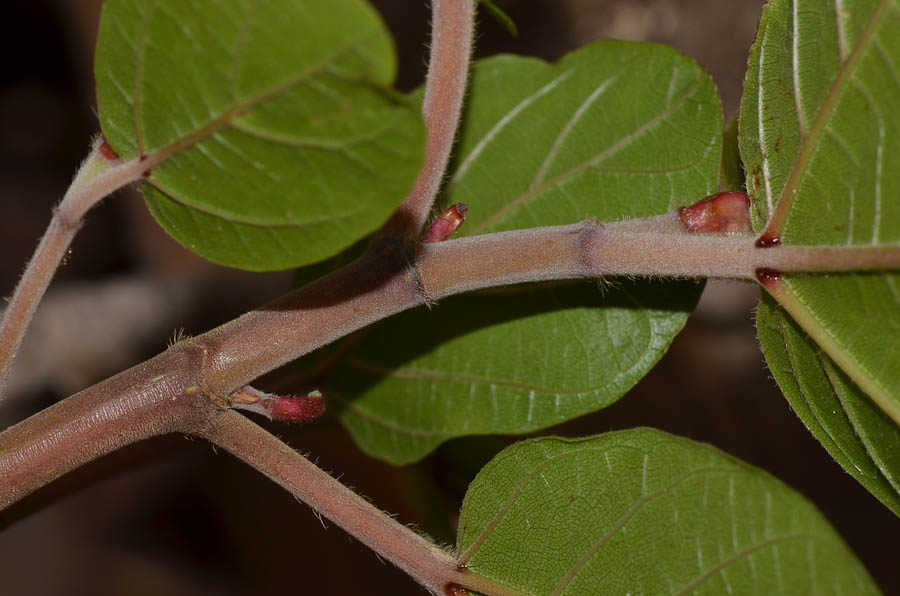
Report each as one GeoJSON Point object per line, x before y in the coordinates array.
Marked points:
{"type": "Point", "coordinates": [820, 139]}
{"type": "Point", "coordinates": [614, 130]}
{"type": "Point", "coordinates": [848, 424]}
{"type": "Point", "coordinates": [643, 512]}
{"type": "Point", "coordinates": [506, 362]}
{"type": "Point", "coordinates": [286, 143]}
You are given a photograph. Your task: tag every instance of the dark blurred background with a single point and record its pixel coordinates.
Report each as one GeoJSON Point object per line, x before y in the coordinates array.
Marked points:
{"type": "Point", "coordinates": [169, 516]}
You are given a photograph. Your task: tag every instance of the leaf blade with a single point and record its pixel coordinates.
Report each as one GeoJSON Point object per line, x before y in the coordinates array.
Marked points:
{"type": "Point", "coordinates": [507, 363]}
{"type": "Point", "coordinates": [259, 128]}
{"type": "Point", "coordinates": [837, 412]}
{"type": "Point", "coordinates": [642, 511]}
{"type": "Point", "coordinates": [819, 165]}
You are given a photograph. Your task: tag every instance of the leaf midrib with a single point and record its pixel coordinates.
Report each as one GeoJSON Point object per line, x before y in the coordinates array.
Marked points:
{"type": "Point", "coordinates": [776, 223]}
{"type": "Point", "coordinates": [423, 374]}
{"type": "Point", "coordinates": [237, 108]}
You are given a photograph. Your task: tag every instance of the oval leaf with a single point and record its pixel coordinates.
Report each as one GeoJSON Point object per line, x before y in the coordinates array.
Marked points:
{"type": "Point", "coordinates": [285, 142]}
{"type": "Point", "coordinates": [643, 512]}
{"type": "Point", "coordinates": [820, 139]}
{"type": "Point", "coordinates": [614, 130]}
{"type": "Point", "coordinates": [504, 362]}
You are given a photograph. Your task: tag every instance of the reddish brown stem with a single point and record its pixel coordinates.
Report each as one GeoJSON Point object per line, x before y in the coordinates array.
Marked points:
{"type": "Point", "coordinates": [366, 291]}
{"type": "Point", "coordinates": [445, 88]}
{"type": "Point", "coordinates": [95, 180]}
{"type": "Point", "coordinates": [101, 174]}
{"type": "Point", "coordinates": [157, 397]}
{"type": "Point", "coordinates": [186, 388]}
{"type": "Point", "coordinates": [429, 564]}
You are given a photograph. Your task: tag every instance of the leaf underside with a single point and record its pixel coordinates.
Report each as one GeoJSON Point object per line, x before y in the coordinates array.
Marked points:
{"type": "Point", "coordinates": [643, 512]}
{"type": "Point", "coordinates": [820, 140]}
{"type": "Point", "coordinates": [848, 424]}
{"type": "Point", "coordinates": [286, 142]}
{"type": "Point", "coordinates": [615, 130]}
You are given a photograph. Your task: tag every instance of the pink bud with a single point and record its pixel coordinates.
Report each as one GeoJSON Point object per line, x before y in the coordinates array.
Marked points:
{"type": "Point", "coordinates": [446, 223]}
{"type": "Point", "coordinates": [722, 213]}
{"type": "Point", "coordinates": [298, 409]}
{"type": "Point", "coordinates": [108, 152]}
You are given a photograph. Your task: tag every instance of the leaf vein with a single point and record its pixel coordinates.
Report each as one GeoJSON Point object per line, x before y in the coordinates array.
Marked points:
{"type": "Point", "coordinates": [630, 513]}
{"type": "Point", "coordinates": [247, 221]}
{"type": "Point", "coordinates": [606, 153]}
{"type": "Point", "coordinates": [502, 122]}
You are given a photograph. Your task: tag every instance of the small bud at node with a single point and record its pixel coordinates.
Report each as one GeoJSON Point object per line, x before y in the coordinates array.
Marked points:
{"type": "Point", "coordinates": [446, 223]}
{"type": "Point", "coordinates": [298, 409]}
{"type": "Point", "coordinates": [722, 213]}
{"type": "Point", "coordinates": [288, 408]}
{"type": "Point", "coordinates": [108, 152]}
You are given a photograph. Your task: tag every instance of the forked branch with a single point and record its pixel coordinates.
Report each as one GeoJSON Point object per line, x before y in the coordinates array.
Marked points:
{"type": "Point", "coordinates": [226, 359]}
{"type": "Point", "coordinates": [102, 173]}
{"type": "Point", "coordinates": [186, 389]}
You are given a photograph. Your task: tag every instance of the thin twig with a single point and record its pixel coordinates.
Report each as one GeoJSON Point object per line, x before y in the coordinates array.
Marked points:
{"type": "Point", "coordinates": [429, 564]}
{"type": "Point", "coordinates": [97, 178]}
{"type": "Point", "coordinates": [445, 87]}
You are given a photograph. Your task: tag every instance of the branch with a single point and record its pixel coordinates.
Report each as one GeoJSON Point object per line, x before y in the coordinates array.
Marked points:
{"type": "Point", "coordinates": [157, 397]}
{"type": "Point", "coordinates": [429, 564]}
{"type": "Point", "coordinates": [445, 87]}
{"type": "Point", "coordinates": [186, 389]}
{"type": "Point", "coordinates": [374, 288]}
{"type": "Point", "coordinates": [99, 175]}
{"type": "Point", "coordinates": [218, 363]}
{"type": "Point", "coordinates": [116, 413]}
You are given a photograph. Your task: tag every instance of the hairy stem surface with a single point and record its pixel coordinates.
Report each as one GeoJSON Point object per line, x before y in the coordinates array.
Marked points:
{"type": "Point", "coordinates": [445, 88]}
{"type": "Point", "coordinates": [222, 361]}
{"type": "Point", "coordinates": [430, 565]}
{"type": "Point", "coordinates": [96, 178]}
{"type": "Point", "coordinates": [186, 389]}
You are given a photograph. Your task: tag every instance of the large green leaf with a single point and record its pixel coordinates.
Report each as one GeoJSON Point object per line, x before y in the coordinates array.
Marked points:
{"type": "Point", "coordinates": [505, 362]}
{"type": "Point", "coordinates": [820, 139]}
{"type": "Point", "coordinates": [643, 512]}
{"type": "Point", "coordinates": [854, 431]}
{"type": "Point", "coordinates": [614, 130]}
{"type": "Point", "coordinates": [287, 143]}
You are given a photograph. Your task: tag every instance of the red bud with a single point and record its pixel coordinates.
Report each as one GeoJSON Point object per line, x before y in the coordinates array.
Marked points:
{"type": "Point", "coordinates": [722, 213]}
{"type": "Point", "coordinates": [277, 407]}
{"type": "Point", "coordinates": [298, 409]}
{"type": "Point", "coordinates": [446, 223]}
{"type": "Point", "coordinates": [108, 152]}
